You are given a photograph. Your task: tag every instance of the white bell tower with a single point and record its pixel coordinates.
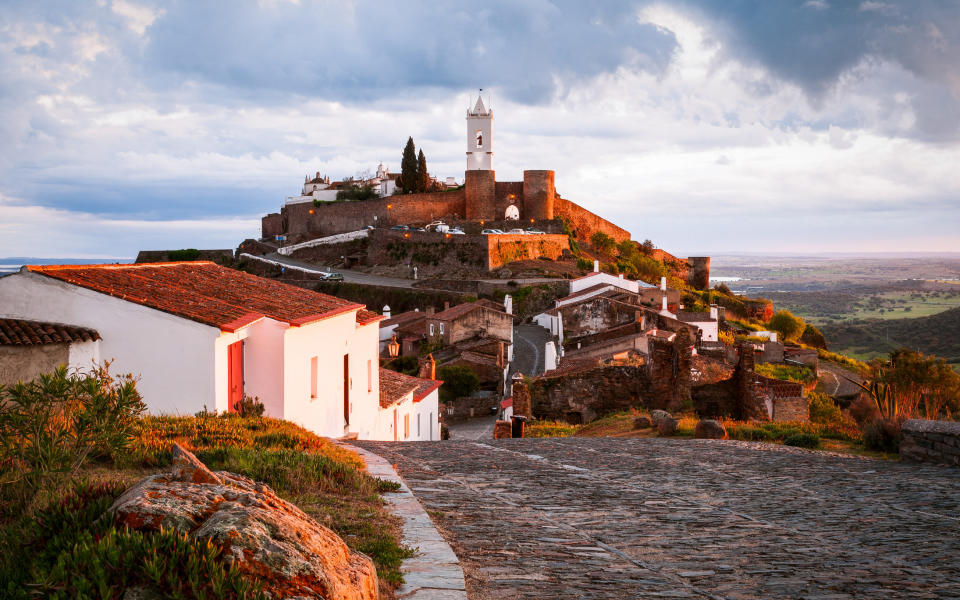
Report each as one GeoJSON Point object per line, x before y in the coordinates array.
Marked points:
{"type": "Point", "coordinates": [479, 137]}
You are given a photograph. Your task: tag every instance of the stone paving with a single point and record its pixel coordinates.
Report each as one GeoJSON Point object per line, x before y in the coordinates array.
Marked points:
{"type": "Point", "coordinates": [668, 518]}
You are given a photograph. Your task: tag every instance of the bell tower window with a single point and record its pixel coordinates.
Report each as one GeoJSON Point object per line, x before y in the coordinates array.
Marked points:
{"type": "Point", "coordinates": [479, 138]}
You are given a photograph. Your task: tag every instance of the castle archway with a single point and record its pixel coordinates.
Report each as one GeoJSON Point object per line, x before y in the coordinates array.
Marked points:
{"type": "Point", "coordinates": [512, 213]}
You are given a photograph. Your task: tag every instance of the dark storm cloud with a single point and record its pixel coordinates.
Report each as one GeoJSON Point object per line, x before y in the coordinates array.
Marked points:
{"type": "Point", "coordinates": [813, 43]}
{"type": "Point", "coordinates": [363, 50]}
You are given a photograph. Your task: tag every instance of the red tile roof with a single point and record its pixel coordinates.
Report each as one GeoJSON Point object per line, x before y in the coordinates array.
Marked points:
{"type": "Point", "coordinates": [455, 312]}
{"type": "Point", "coordinates": [17, 332]}
{"type": "Point", "coordinates": [395, 386]}
{"type": "Point", "coordinates": [403, 318]}
{"type": "Point", "coordinates": [207, 293]}
{"type": "Point", "coordinates": [585, 291]}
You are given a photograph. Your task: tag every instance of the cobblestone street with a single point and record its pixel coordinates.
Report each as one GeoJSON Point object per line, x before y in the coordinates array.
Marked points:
{"type": "Point", "coordinates": [667, 518]}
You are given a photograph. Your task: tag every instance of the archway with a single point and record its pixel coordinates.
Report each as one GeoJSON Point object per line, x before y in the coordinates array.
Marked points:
{"type": "Point", "coordinates": [512, 213]}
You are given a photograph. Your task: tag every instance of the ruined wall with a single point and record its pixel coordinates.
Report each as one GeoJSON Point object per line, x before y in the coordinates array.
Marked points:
{"type": "Point", "coordinates": [596, 315]}
{"type": "Point", "coordinates": [584, 223]}
{"type": "Point", "coordinates": [481, 322]}
{"type": "Point", "coordinates": [585, 395]}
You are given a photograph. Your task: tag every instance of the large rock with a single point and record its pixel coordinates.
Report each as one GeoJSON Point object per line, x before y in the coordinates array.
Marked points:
{"type": "Point", "coordinates": [658, 415]}
{"type": "Point", "coordinates": [710, 430]}
{"type": "Point", "coordinates": [667, 426]}
{"type": "Point", "coordinates": [264, 534]}
{"type": "Point", "coordinates": [642, 423]}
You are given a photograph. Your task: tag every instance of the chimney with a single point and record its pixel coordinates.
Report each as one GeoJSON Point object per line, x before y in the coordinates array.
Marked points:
{"type": "Point", "coordinates": [596, 266]}
{"type": "Point", "coordinates": [665, 303]}
{"type": "Point", "coordinates": [713, 311]}
{"type": "Point", "coordinates": [663, 283]}
{"type": "Point", "coordinates": [508, 304]}
{"type": "Point", "coordinates": [621, 275]}
{"type": "Point", "coordinates": [386, 310]}
{"type": "Point", "coordinates": [773, 336]}
{"type": "Point", "coordinates": [429, 311]}
{"type": "Point", "coordinates": [446, 305]}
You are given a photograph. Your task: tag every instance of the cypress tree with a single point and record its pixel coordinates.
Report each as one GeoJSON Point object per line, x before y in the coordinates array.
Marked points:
{"type": "Point", "coordinates": [408, 168]}
{"type": "Point", "coordinates": [423, 176]}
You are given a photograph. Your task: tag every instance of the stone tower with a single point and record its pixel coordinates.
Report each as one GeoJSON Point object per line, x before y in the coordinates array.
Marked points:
{"type": "Point", "coordinates": [479, 137]}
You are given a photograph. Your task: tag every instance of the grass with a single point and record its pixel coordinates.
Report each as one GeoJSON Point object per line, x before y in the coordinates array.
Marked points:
{"type": "Point", "coordinates": [325, 480]}
{"type": "Point", "coordinates": [794, 373]}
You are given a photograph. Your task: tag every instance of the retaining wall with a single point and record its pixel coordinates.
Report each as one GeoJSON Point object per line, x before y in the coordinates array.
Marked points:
{"type": "Point", "coordinates": [931, 441]}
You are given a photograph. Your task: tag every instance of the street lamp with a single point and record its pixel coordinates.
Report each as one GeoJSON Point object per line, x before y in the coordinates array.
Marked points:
{"type": "Point", "coordinates": [393, 347]}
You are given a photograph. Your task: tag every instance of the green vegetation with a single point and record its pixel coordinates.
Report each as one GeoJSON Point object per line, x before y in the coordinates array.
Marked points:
{"type": "Point", "coordinates": [794, 373]}
{"type": "Point", "coordinates": [789, 327]}
{"type": "Point", "coordinates": [602, 242]}
{"type": "Point", "coordinates": [823, 409]}
{"type": "Point", "coordinates": [545, 429]}
{"type": "Point", "coordinates": [938, 335]}
{"type": "Point", "coordinates": [72, 444]}
{"type": "Point", "coordinates": [803, 440]}
{"type": "Point", "coordinates": [352, 191]}
{"type": "Point", "coordinates": [458, 382]}
{"type": "Point", "coordinates": [423, 176]}
{"type": "Point", "coordinates": [407, 183]}
{"type": "Point", "coordinates": [184, 254]}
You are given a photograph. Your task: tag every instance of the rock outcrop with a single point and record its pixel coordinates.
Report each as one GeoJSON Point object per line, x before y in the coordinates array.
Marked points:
{"type": "Point", "coordinates": [263, 534]}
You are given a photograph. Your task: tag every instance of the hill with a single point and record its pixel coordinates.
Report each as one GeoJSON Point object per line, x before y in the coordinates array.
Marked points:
{"type": "Point", "coordinates": [937, 334]}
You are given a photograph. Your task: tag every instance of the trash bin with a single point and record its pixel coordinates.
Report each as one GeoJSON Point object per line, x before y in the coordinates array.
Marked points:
{"type": "Point", "coordinates": [518, 421]}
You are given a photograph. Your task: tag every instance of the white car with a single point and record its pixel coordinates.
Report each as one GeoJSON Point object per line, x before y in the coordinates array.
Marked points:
{"type": "Point", "coordinates": [517, 232]}
{"type": "Point", "coordinates": [492, 232]}
{"type": "Point", "coordinates": [456, 231]}
{"type": "Point", "coordinates": [535, 232]}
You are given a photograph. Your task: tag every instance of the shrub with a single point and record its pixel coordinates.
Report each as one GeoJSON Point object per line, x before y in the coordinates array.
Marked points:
{"type": "Point", "coordinates": [823, 409]}
{"type": "Point", "coordinates": [457, 382]}
{"type": "Point", "coordinates": [184, 254]}
{"type": "Point", "coordinates": [803, 440]}
{"type": "Point", "coordinates": [55, 423]}
{"type": "Point", "coordinates": [584, 264]}
{"type": "Point", "coordinates": [864, 410]}
{"type": "Point", "coordinates": [602, 242]}
{"type": "Point", "coordinates": [249, 406]}
{"type": "Point", "coordinates": [882, 435]}
{"type": "Point", "coordinates": [795, 373]}
{"type": "Point", "coordinates": [789, 327]}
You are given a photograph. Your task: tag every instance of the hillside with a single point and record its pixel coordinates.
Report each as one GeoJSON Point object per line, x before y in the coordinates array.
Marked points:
{"type": "Point", "coordinates": [937, 334]}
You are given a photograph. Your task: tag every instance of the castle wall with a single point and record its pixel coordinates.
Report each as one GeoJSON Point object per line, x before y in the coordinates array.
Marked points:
{"type": "Point", "coordinates": [487, 251]}
{"type": "Point", "coordinates": [340, 217]}
{"type": "Point", "coordinates": [480, 197]}
{"type": "Point", "coordinates": [584, 223]}
{"type": "Point", "coordinates": [539, 195]}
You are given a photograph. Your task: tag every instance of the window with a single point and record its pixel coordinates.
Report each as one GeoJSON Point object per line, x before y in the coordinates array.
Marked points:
{"type": "Point", "coordinates": [418, 425]}
{"type": "Point", "coordinates": [369, 375]}
{"type": "Point", "coordinates": [431, 330]}
{"type": "Point", "coordinates": [441, 328]}
{"type": "Point", "coordinates": [313, 377]}
{"type": "Point", "coordinates": [406, 426]}
{"type": "Point", "coordinates": [479, 139]}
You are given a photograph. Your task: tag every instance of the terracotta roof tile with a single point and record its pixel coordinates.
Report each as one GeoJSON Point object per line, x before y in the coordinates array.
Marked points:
{"type": "Point", "coordinates": [394, 387]}
{"type": "Point", "coordinates": [585, 291]}
{"type": "Point", "coordinates": [425, 388]}
{"type": "Point", "coordinates": [17, 332]}
{"type": "Point", "coordinates": [455, 312]}
{"type": "Point", "coordinates": [206, 292]}
{"type": "Point", "coordinates": [403, 318]}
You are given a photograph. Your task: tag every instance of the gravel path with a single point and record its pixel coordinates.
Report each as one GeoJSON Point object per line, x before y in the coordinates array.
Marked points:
{"type": "Point", "coordinates": [669, 518]}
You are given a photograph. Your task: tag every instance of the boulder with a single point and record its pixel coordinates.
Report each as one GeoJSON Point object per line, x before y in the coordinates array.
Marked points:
{"type": "Point", "coordinates": [658, 415]}
{"type": "Point", "coordinates": [642, 423]}
{"type": "Point", "coordinates": [710, 430]}
{"type": "Point", "coordinates": [667, 426]}
{"type": "Point", "coordinates": [265, 535]}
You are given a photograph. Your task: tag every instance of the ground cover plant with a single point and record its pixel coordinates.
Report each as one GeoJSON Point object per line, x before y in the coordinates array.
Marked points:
{"type": "Point", "coordinates": [83, 442]}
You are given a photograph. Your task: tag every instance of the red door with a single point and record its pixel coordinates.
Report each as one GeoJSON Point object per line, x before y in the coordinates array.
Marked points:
{"type": "Point", "coordinates": [234, 375]}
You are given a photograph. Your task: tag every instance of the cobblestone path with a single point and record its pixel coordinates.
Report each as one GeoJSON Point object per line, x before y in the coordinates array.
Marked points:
{"type": "Point", "coordinates": [666, 518]}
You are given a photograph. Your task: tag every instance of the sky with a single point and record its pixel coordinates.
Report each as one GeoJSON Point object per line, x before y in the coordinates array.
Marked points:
{"type": "Point", "coordinates": [706, 126]}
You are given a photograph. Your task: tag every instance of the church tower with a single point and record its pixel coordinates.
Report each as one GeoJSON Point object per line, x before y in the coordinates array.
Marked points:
{"type": "Point", "coordinates": [479, 137]}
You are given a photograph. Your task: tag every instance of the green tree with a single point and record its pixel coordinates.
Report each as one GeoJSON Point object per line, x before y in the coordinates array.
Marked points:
{"type": "Point", "coordinates": [602, 242]}
{"type": "Point", "coordinates": [457, 382]}
{"type": "Point", "coordinates": [646, 247]}
{"type": "Point", "coordinates": [408, 168]}
{"type": "Point", "coordinates": [813, 337]}
{"type": "Point", "coordinates": [789, 326]}
{"type": "Point", "coordinates": [423, 176]}
{"type": "Point", "coordinates": [627, 250]}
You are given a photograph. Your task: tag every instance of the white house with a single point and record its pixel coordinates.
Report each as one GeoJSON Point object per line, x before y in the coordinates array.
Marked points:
{"type": "Point", "coordinates": [31, 348]}
{"type": "Point", "coordinates": [600, 278]}
{"type": "Point", "coordinates": [201, 335]}
{"type": "Point", "coordinates": [409, 408]}
{"type": "Point", "coordinates": [707, 323]}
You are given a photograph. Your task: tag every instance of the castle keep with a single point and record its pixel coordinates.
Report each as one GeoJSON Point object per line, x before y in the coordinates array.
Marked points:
{"type": "Point", "coordinates": [481, 199]}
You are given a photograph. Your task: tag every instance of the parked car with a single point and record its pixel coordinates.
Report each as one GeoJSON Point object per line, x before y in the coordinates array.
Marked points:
{"type": "Point", "coordinates": [400, 228]}
{"type": "Point", "coordinates": [369, 227]}
{"type": "Point", "coordinates": [492, 232]}
{"type": "Point", "coordinates": [517, 232]}
{"type": "Point", "coordinates": [536, 232]}
{"type": "Point", "coordinates": [456, 231]}
{"type": "Point", "coordinates": [417, 229]}
{"type": "Point", "coordinates": [333, 276]}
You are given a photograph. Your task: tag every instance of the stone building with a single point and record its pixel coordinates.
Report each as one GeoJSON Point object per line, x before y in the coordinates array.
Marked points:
{"type": "Point", "coordinates": [30, 348]}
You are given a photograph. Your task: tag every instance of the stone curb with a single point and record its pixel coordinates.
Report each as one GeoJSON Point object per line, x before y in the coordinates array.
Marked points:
{"type": "Point", "coordinates": [434, 573]}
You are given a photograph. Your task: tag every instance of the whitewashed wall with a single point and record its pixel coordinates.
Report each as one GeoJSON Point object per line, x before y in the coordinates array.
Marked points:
{"type": "Point", "coordinates": [174, 357]}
